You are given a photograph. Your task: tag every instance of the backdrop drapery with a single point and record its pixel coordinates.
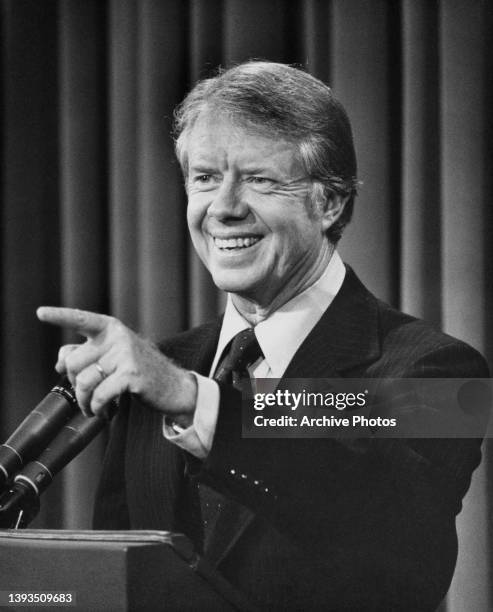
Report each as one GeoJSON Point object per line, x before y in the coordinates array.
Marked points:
{"type": "Point", "coordinates": [93, 210]}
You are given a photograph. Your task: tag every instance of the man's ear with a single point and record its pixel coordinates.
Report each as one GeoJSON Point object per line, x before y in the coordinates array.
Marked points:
{"type": "Point", "coordinates": [332, 208]}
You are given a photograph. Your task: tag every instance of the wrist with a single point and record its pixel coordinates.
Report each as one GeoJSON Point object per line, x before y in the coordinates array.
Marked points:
{"type": "Point", "coordinates": [183, 417]}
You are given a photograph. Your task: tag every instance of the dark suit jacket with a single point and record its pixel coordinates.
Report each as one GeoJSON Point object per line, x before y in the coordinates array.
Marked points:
{"type": "Point", "coordinates": [324, 524]}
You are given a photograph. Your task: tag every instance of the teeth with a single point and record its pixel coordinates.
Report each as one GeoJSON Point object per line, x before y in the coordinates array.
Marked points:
{"type": "Point", "coordinates": [235, 243]}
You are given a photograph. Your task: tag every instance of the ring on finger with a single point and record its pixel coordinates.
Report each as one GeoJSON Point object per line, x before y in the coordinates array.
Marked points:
{"type": "Point", "coordinates": [99, 368]}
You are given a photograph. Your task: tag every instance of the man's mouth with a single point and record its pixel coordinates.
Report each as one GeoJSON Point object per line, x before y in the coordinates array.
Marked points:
{"type": "Point", "coordinates": [236, 243]}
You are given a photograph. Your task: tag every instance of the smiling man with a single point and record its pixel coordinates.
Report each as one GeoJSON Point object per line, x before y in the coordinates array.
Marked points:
{"type": "Point", "coordinates": [270, 173]}
{"type": "Point", "coordinates": [252, 214]}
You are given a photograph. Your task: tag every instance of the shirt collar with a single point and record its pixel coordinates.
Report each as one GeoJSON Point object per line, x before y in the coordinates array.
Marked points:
{"type": "Point", "coordinates": [299, 315]}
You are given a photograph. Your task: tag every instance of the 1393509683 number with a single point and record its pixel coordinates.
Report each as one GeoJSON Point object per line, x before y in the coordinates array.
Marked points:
{"type": "Point", "coordinates": [37, 598]}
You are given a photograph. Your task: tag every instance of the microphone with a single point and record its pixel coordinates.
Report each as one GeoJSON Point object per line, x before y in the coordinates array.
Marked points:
{"type": "Point", "coordinates": [23, 496]}
{"type": "Point", "coordinates": [37, 429]}
{"type": "Point", "coordinates": [71, 440]}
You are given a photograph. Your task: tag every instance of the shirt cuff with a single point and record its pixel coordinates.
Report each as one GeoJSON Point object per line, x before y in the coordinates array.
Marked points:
{"type": "Point", "coordinates": [197, 439]}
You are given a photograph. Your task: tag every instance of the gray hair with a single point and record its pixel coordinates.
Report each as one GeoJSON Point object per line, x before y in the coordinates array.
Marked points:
{"type": "Point", "coordinates": [286, 102]}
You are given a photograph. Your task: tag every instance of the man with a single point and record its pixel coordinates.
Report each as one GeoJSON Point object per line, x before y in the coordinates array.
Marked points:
{"type": "Point", "coordinates": [270, 173]}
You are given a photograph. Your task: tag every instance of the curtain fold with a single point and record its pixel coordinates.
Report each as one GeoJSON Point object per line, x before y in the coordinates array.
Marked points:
{"type": "Point", "coordinates": [161, 63]}
{"type": "Point", "coordinates": [122, 161]}
{"type": "Point", "coordinates": [30, 233]}
{"type": "Point", "coordinates": [463, 49]}
{"type": "Point", "coordinates": [420, 273]}
{"type": "Point", "coordinates": [83, 214]}
{"type": "Point", "coordinates": [93, 206]}
{"type": "Point", "coordinates": [360, 59]}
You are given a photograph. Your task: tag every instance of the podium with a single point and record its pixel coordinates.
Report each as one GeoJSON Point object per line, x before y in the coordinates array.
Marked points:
{"type": "Point", "coordinates": [102, 570]}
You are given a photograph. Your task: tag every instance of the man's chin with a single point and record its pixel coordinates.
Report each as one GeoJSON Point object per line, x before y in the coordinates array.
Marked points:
{"type": "Point", "coordinates": [235, 282]}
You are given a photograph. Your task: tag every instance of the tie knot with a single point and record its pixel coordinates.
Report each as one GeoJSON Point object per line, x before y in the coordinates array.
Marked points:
{"type": "Point", "coordinates": [244, 351]}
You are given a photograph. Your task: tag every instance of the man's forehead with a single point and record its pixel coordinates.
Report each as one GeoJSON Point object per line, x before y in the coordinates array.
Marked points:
{"type": "Point", "coordinates": [211, 137]}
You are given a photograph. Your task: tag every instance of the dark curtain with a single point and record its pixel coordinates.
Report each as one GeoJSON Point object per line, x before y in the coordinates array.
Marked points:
{"type": "Point", "coordinates": [93, 210]}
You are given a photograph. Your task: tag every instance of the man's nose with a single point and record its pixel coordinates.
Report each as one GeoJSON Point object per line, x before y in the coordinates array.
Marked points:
{"type": "Point", "coordinates": [228, 202]}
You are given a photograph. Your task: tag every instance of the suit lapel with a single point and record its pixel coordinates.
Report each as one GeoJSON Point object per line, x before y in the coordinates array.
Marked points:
{"type": "Point", "coordinates": [345, 337]}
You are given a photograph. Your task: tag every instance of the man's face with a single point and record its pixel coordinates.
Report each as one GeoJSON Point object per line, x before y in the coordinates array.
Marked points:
{"type": "Point", "coordinates": [249, 211]}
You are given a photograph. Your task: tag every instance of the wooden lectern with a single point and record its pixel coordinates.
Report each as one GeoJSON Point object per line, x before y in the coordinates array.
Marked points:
{"type": "Point", "coordinates": [117, 571]}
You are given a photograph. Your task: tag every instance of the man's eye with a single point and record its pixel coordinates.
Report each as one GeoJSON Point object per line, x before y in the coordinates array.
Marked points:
{"type": "Point", "coordinates": [204, 182]}
{"type": "Point", "coordinates": [260, 183]}
{"type": "Point", "coordinates": [259, 180]}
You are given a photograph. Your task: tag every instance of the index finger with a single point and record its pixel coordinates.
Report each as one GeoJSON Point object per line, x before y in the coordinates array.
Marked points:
{"type": "Point", "coordinates": [84, 322]}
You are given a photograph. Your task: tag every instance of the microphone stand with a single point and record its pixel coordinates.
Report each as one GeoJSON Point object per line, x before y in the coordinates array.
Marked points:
{"type": "Point", "coordinates": [19, 506]}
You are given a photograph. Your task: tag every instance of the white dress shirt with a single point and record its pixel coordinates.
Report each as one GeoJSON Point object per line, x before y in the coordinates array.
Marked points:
{"type": "Point", "coordinates": [299, 316]}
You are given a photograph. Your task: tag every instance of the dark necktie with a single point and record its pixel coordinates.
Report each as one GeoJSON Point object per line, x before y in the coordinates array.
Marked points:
{"type": "Point", "coordinates": [233, 370]}
{"type": "Point", "coordinates": [244, 351]}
